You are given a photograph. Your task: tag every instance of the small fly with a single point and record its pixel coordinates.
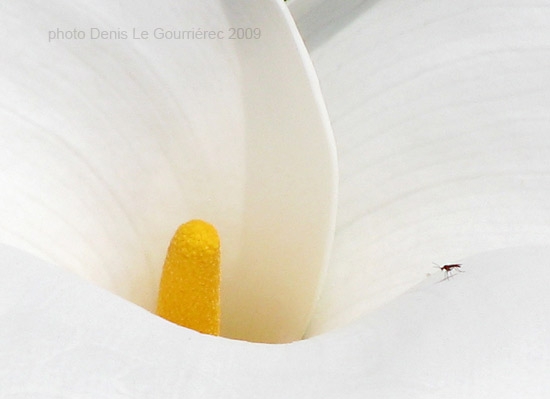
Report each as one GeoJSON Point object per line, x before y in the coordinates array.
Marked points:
{"type": "Point", "coordinates": [450, 269]}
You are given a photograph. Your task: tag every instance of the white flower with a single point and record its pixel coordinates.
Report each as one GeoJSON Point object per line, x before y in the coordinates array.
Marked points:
{"type": "Point", "coordinates": [439, 112]}
{"type": "Point", "coordinates": [122, 122]}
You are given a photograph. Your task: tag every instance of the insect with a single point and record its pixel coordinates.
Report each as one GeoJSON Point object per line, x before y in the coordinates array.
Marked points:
{"type": "Point", "coordinates": [449, 269]}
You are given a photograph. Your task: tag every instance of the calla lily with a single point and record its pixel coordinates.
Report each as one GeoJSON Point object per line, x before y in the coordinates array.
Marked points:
{"type": "Point", "coordinates": [442, 138]}
{"type": "Point", "coordinates": [125, 127]}
{"type": "Point", "coordinates": [438, 116]}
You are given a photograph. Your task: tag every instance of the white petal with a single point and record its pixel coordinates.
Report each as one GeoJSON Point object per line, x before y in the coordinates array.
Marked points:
{"type": "Point", "coordinates": [440, 112]}
{"type": "Point", "coordinates": [109, 144]}
{"type": "Point", "coordinates": [62, 337]}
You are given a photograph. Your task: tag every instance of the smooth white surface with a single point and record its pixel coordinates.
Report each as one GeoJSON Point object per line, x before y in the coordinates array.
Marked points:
{"type": "Point", "coordinates": [107, 145]}
{"type": "Point", "coordinates": [440, 113]}
{"type": "Point", "coordinates": [481, 334]}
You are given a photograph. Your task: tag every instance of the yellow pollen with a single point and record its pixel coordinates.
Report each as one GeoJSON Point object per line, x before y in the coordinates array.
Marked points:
{"type": "Point", "coordinates": [189, 292]}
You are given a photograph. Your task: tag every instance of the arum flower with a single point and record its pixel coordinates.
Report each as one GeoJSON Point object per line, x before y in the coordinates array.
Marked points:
{"type": "Point", "coordinates": [107, 146]}
{"type": "Point", "coordinates": [123, 127]}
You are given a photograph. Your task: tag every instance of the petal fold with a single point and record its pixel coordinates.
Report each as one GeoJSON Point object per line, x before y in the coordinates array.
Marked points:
{"type": "Point", "coordinates": [61, 336]}
{"type": "Point", "coordinates": [110, 142]}
{"type": "Point", "coordinates": [440, 115]}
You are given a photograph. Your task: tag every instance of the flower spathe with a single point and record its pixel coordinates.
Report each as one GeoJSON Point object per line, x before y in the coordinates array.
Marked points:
{"type": "Point", "coordinates": [110, 144]}
{"type": "Point", "coordinates": [453, 338]}
{"type": "Point", "coordinates": [440, 115]}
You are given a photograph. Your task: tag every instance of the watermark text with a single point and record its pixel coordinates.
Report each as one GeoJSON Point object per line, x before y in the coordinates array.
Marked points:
{"type": "Point", "coordinates": [159, 33]}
